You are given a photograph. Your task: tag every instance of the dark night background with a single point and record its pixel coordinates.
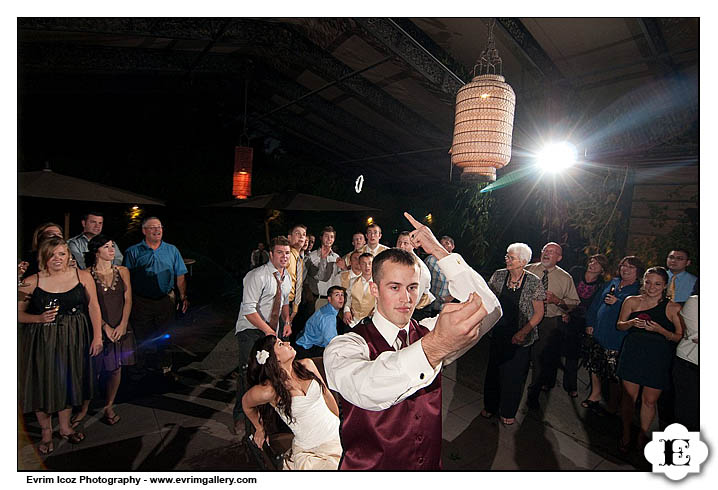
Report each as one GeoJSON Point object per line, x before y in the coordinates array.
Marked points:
{"type": "Point", "coordinates": [100, 106]}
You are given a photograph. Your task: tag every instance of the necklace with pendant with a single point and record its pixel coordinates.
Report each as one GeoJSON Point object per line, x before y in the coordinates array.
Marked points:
{"type": "Point", "coordinates": [514, 285]}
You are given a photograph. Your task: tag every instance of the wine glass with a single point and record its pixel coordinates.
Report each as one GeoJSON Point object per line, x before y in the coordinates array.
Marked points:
{"type": "Point", "coordinates": [52, 304]}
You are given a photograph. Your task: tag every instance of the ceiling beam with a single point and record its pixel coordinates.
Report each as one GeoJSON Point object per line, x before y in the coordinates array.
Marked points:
{"type": "Point", "coordinates": [406, 46]}
{"type": "Point", "coordinates": [282, 45]}
{"type": "Point", "coordinates": [520, 36]}
{"type": "Point", "coordinates": [653, 35]}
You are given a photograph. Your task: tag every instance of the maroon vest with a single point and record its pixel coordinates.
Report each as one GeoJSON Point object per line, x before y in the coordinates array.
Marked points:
{"type": "Point", "coordinates": [405, 436]}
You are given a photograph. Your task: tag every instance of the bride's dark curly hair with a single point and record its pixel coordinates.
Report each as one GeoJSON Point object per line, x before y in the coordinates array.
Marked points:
{"type": "Point", "coordinates": [271, 371]}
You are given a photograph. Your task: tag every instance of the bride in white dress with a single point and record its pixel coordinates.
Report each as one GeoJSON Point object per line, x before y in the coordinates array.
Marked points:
{"type": "Point", "coordinates": [295, 390]}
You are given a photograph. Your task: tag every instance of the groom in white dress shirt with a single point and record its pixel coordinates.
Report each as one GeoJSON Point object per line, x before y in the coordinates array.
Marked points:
{"type": "Point", "coordinates": [389, 384]}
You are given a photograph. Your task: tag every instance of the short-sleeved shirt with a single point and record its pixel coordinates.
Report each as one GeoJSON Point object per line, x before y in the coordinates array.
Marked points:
{"type": "Point", "coordinates": [560, 283]}
{"type": "Point", "coordinates": [685, 281]}
{"type": "Point", "coordinates": [153, 272]}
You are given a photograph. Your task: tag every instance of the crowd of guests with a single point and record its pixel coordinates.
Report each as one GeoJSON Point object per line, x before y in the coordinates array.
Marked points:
{"type": "Point", "coordinates": [375, 326]}
{"type": "Point", "coordinates": [85, 311]}
{"type": "Point", "coordinates": [624, 329]}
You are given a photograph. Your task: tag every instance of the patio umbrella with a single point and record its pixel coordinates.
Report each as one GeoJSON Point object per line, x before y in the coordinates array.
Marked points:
{"type": "Point", "coordinates": [50, 185]}
{"type": "Point", "coordinates": [291, 201]}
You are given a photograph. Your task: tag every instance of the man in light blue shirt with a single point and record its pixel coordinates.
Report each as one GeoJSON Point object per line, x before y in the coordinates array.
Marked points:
{"type": "Point", "coordinates": [322, 325]}
{"type": "Point", "coordinates": [156, 267]}
{"type": "Point", "coordinates": [682, 286]}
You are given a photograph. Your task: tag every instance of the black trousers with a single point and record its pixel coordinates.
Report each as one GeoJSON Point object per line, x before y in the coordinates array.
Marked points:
{"type": "Point", "coordinates": [572, 334]}
{"type": "Point", "coordinates": [686, 387]}
{"type": "Point", "coordinates": [505, 376]}
{"type": "Point", "coordinates": [245, 341]}
{"type": "Point", "coordinates": [151, 319]}
{"type": "Point", "coordinates": [546, 355]}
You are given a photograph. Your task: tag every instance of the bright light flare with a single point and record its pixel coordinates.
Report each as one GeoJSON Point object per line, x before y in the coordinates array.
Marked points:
{"type": "Point", "coordinates": [557, 157]}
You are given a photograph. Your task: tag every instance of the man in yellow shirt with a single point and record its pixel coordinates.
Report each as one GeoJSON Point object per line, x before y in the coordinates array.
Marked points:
{"type": "Point", "coordinates": [297, 237]}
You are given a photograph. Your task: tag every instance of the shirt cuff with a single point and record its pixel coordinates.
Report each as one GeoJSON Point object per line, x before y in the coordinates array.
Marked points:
{"type": "Point", "coordinates": [414, 362]}
{"type": "Point", "coordinates": [452, 265]}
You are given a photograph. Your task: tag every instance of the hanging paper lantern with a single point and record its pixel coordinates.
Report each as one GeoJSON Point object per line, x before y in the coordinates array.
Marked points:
{"type": "Point", "coordinates": [484, 120]}
{"type": "Point", "coordinates": [242, 179]}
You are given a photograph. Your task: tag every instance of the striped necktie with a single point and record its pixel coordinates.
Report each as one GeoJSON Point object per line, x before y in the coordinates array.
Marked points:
{"type": "Point", "coordinates": [544, 283]}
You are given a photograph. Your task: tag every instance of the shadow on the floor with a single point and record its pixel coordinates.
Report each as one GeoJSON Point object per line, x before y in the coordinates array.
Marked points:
{"type": "Point", "coordinates": [464, 453]}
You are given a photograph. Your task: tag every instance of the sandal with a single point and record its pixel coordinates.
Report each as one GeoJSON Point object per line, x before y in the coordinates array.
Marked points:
{"type": "Point", "coordinates": [506, 421]}
{"type": "Point", "coordinates": [46, 447]}
{"type": "Point", "coordinates": [623, 447]}
{"type": "Point", "coordinates": [111, 420]}
{"type": "Point", "coordinates": [592, 404]}
{"type": "Point", "coordinates": [485, 414]}
{"type": "Point", "coordinates": [74, 438]}
{"type": "Point", "coordinates": [76, 420]}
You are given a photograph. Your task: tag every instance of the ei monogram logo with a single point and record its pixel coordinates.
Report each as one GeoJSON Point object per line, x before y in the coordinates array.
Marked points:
{"type": "Point", "coordinates": [676, 452]}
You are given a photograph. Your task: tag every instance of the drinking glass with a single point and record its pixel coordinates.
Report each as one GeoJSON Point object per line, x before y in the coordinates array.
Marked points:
{"type": "Point", "coordinates": [52, 304]}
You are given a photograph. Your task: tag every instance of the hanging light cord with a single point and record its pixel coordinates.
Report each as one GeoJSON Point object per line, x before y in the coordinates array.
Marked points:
{"type": "Point", "coordinates": [244, 124]}
{"type": "Point", "coordinates": [623, 186]}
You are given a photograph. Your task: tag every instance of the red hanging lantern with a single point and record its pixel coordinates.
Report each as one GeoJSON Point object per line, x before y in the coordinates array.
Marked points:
{"type": "Point", "coordinates": [242, 179]}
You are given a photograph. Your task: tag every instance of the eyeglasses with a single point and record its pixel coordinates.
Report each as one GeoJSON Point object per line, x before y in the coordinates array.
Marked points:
{"type": "Point", "coordinates": [508, 257]}
{"type": "Point", "coordinates": [153, 228]}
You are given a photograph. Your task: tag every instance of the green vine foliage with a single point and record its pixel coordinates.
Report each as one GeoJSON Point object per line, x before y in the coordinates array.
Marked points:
{"type": "Point", "coordinates": [683, 234]}
{"type": "Point", "coordinates": [472, 218]}
{"type": "Point", "coordinates": [594, 212]}
{"type": "Point", "coordinates": [580, 211]}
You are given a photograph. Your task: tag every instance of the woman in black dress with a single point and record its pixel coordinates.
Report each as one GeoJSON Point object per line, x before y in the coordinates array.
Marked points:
{"type": "Point", "coordinates": [56, 341]}
{"type": "Point", "coordinates": [654, 328]}
{"type": "Point", "coordinates": [521, 295]}
{"type": "Point", "coordinates": [114, 293]}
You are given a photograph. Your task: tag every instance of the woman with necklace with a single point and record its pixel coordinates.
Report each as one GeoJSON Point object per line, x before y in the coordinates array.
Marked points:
{"type": "Point", "coordinates": [114, 294]}
{"type": "Point", "coordinates": [654, 328]}
{"type": "Point", "coordinates": [521, 295]}
{"type": "Point", "coordinates": [606, 340]}
{"type": "Point", "coordinates": [57, 341]}
{"type": "Point", "coordinates": [293, 389]}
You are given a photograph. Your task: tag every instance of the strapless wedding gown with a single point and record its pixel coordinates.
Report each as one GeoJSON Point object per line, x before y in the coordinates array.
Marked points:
{"type": "Point", "coordinates": [316, 444]}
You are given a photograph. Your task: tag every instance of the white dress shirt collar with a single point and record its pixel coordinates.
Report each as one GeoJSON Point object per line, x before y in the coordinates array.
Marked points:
{"type": "Point", "coordinates": [388, 330]}
{"type": "Point", "coordinates": [273, 269]}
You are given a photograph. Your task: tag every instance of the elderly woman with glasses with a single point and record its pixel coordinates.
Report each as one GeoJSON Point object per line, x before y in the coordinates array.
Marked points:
{"type": "Point", "coordinates": [521, 295]}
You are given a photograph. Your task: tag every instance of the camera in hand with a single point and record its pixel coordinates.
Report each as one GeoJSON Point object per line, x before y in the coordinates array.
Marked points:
{"type": "Point", "coordinates": [612, 291]}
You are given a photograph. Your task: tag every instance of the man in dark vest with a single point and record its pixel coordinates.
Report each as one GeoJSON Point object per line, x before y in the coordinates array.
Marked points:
{"type": "Point", "coordinates": [387, 369]}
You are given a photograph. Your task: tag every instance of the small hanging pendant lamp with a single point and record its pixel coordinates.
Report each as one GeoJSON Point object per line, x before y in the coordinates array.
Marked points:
{"type": "Point", "coordinates": [484, 119]}
{"type": "Point", "coordinates": [242, 176]}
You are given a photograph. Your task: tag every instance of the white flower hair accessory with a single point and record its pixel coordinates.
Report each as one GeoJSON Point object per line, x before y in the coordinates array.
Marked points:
{"type": "Point", "coordinates": [262, 356]}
